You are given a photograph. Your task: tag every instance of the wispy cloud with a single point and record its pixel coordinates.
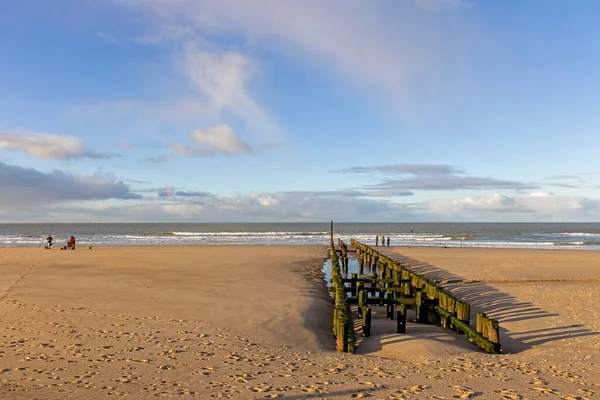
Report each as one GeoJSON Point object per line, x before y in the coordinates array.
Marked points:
{"type": "Point", "coordinates": [222, 77]}
{"type": "Point", "coordinates": [410, 177]}
{"type": "Point", "coordinates": [48, 146]}
{"type": "Point", "coordinates": [400, 169]}
{"type": "Point", "coordinates": [192, 193]}
{"type": "Point", "coordinates": [564, 185]}
{"type": "Point", "coordinates": [217, 140]}
{"type": "Point", "coordinates": [398, 50]}
{"type": "Point", "coordinates": [171, 192]}
{"type": "Point", "coordinates": [108, 38]}
{"type": "Point", "coordinates": [450, 182]}
{"type": "Point", "coordinates": [565, 177]}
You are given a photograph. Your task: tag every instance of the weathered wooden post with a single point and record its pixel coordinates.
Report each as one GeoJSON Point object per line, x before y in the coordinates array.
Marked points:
{"type": "Point", "coordinates": [342, 338]}
{"type": "Point", "coordinates": [366, 321]}
{"type": "Point", "coordinates": [494, 334]}
{"type": "Point", "coordinates": [479, 321]}
{"type": "Point", "coordinates": [362, 298]}
{"type": "Point", "coordinates": [401, 318]}
{"type": "Point", "coordinates": [353, 285]}
{"type": "Point", "coordinates": [431, 302]}
{"type": "Point", "coordinates": [390, 311]}
{"type": "Point", "coordinates": [463, 311]}
{"type": "Point", "coordinates": [420, 307]}
{"type": "Point", "coordinates": [331, 235]}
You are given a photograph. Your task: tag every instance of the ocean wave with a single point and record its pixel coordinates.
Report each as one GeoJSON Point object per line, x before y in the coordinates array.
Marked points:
{"type": "Point", "coordinates": [274, 233]}
{"type": "Point", "coordinates": [468, 237]}
{"type": "Point", "coordinates": [579, 234]}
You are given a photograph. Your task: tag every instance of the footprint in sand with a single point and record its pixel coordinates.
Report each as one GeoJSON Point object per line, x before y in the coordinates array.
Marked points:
{"type": "Point", "coordinates": [544, 390]}
{"type": "Point", "coordinates": [509, 394]}
{"type": "Point", "coordinates": [361, 395]}
{"type": "Point", "coordinates": [413, 389]}
{"type": "Point", "coordinates": [587, 391]}
{"type": "Point", "coordinates": [463, 392]}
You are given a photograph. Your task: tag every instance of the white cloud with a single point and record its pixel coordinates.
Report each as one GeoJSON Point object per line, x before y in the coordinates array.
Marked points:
{"type": "Point", "coordinates": [218, 140]}
{"type": "Point", "coordinates": [47, 146]}
{"type": "Point", "coordinates": [540, 206]}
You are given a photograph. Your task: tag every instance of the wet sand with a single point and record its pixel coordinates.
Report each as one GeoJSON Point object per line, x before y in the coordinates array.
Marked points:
{"type": "Point", "coordinates": [254, 322]}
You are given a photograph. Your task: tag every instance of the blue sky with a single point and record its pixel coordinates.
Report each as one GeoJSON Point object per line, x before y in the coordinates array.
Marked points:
{"type": "Point", "coordinates": [243, 111]}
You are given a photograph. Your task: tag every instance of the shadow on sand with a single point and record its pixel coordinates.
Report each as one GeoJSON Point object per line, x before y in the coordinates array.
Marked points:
{"type": "Point", "coordinates": [496, 304]}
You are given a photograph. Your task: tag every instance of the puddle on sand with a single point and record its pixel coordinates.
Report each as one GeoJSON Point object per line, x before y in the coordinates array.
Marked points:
{"type": "Point", "coordinates": [353, 268]}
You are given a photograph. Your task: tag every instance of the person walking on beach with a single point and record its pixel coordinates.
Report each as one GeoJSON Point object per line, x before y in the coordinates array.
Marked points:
{"type": "Point", "coordinates": [388, 241]}
{"type": "Point", "coordinates": [49, 240]}
{"type": "Point", "coordinates": [382, 240]}
{"type": "Point", "coordinates": [376, 240]}
{"type": "Point", "coordinates": [72, 241]}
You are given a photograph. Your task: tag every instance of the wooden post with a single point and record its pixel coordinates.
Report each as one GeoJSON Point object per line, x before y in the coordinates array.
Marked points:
{"type": "Point", "coordinates": [353, 285]}
{"type": "Point", "coordinates": [494, 333]}
{"type": "Point", "coordinates": [420, 307]}
{"type": "Point", "coordinates": [401, 318]}
{"type": "Point", "coordinates": [342, 338]}
{"type": "Point", "coordinates": [366, 321]}
{"type": "Point", "coordinates": [463, 311]}
{"type": "Point", "coordinates": [407, 289]}
{"type": "Point", "coordinates": [362, 300]}
{"type": "Point", "coordinates": [396, 278]}
{"type": "Point", "coordinates": [331, 235]}
{"type": "Point", "coordinates": [479, 322]}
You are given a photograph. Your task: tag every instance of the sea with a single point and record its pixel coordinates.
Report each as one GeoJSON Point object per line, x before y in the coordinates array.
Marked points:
{"type": "Point", "coordinates": [499, 235]}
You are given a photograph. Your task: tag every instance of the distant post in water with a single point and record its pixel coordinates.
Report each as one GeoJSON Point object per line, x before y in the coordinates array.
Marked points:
{"type": "Point", "coordinates": [331, 235]}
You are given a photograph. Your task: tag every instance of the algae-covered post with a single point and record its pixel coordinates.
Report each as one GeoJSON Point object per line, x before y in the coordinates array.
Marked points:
{"type": "Point", "coordinates": [331, 235]}
{"type": "Point", "coordinates": [401, 318]}
{"type": "Point", "coordinates": [366, 321]}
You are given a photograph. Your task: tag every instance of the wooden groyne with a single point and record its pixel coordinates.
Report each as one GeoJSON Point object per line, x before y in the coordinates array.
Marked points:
{"type": "Point", "coordinates": [398, 288]}
{"type": "Point", "coordinates": [343, 328]}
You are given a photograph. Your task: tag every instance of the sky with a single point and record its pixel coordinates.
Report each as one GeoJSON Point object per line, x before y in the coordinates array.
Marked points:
{"type": "Point", "coordinates": [299, 111]}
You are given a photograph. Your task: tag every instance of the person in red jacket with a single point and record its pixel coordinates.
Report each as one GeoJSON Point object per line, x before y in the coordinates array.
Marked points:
{"type": "Point", "coordinates": [72, 240]}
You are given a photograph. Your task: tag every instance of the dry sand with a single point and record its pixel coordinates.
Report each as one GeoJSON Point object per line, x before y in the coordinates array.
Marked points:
{"type": "Point", "coordinates": [254, 322]}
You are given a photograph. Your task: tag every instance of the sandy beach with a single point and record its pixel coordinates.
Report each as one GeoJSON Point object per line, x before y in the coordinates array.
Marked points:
{"type": "Point", "coordinates": [255, 322]}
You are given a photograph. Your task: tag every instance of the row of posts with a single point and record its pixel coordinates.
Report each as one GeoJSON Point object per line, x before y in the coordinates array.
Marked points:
{"type": "Point", "coordinates": [399, 287]}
